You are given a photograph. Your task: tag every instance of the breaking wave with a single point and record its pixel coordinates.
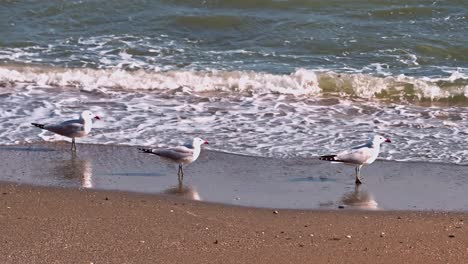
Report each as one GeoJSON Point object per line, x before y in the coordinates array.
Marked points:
{"type": "Point", "coordinates": [302, 82]}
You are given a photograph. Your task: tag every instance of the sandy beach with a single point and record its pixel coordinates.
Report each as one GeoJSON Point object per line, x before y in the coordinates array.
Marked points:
{"type": "Point", "coordinates": [273, 86]}
{"type": "Point", "coordinates": [55, 209]}
{"type": "Point", "coordinates": [58, 225]}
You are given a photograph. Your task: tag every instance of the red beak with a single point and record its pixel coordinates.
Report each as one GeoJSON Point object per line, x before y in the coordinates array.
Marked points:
{"type": "Point", "coordinates": [388, 140]}
{"type": "Point", "coordinates": [97, 117]}
{"type": "Point", "coordinates": [206, 142]}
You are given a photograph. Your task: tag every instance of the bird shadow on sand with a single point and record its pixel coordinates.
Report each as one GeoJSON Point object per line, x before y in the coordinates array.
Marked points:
{"type": "Point", "coordinates": [27, 149]}
{"type": "Point", "coordinates": [312, 179]}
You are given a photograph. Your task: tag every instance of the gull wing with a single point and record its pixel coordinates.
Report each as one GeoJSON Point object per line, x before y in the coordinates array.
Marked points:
{"type": "Point", "coordinates": [177, 153]}
{"type": "Point", "coordinates": [67, 128]}
{"type": "Point", "coordinates": [355, 155]}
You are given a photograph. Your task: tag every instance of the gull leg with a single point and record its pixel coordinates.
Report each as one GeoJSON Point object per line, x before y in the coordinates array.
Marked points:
{"type": "Point", "coordinates": [73, 146]}
{"type": "Point", "coordinates": [178, 174]}
{"type": "Point", "coordinates": [358, 174]}
{"type": "Point", "coordinates": [182, 172]}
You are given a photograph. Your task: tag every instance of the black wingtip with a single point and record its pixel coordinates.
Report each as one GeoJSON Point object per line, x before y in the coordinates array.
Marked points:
{"type": "Point", "coordinates": [145, 150]}
{"type": "Point", "coordinates": [41, 126]}
{"type": "Point", "coordinates": [328, 158]}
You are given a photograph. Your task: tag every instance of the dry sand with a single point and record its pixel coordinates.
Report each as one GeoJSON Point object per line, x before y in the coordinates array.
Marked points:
{"type": "Point", "coordinates": [58, 225]}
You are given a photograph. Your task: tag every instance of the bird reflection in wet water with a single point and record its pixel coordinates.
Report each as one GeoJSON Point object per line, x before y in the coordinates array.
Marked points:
{"type": "Point", "coordinates": [187, 192]}
{"type": "Point", "coordinates": [75, 170]}
{"type": "Point", "coordinates": [360, 198]}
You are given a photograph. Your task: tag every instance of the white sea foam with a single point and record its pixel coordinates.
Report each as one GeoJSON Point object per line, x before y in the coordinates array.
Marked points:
{"type": "Point", "coordinates": [305, 113]}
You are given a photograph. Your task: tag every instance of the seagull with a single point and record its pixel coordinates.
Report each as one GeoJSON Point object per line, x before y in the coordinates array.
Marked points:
{"type": "Point", "coordinates": [360, 155]}
{"type": "Point", "coordinates": [183, 155]}
{"type": "Point", "coordinates": [72, 128]}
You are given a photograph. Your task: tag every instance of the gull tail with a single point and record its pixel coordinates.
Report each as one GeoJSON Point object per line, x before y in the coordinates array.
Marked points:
{"type": "Point", "coordinates": [41, 126]}
{"type": "Point", "coordinates": [329, 158]}
{"type": "Point", "coordinates": [150, 151]}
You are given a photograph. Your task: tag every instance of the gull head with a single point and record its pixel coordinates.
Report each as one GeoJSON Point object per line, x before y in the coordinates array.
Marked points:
{"type": "Point", "coordinates": [198, 142]}
{"type": "Point", "coordinates": [88, 115]}
{"type": "Point", "coordinates": [377, 139]}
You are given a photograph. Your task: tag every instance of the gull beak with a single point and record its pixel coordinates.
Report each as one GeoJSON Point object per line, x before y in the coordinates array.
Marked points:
{"type": "Point", "coordinates": [97, 117]}
{"type": "Point", "coordinates": [206, 142]}
{"type": "Point", "coordinates": [388, 140]}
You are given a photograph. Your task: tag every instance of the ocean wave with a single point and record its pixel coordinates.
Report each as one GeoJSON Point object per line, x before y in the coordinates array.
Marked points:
{"type": "Point", "coordinates": [301, 114]}
{"type": "Point", "coordinates": [301, 83]}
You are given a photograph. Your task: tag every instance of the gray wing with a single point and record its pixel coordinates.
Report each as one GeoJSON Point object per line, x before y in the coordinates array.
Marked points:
{"type": "Point", "coordinates": [355, 156]}
{"type": "Point", "coordinates": [68, 128]}
{"type": "Point", "coordinates": [177, 153]}
{"type": "Point", "coordinates": [366, 145]}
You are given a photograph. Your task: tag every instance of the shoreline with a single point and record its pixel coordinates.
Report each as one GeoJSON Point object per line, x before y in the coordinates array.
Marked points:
{"type": "Point", "coordinates": [234, 179]}
{"type": "Point", "coordinates": [61, 146]}
{"type": "Point", "coordinates": [179, 198]}
{"type": "Point", "coordinates": [44, 224]}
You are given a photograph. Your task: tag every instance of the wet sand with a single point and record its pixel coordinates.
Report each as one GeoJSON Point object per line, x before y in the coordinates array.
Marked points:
{"type": "Point", "coordinates": [241, 180]}
{"type": "Point", "coordinates": [64, 225]}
